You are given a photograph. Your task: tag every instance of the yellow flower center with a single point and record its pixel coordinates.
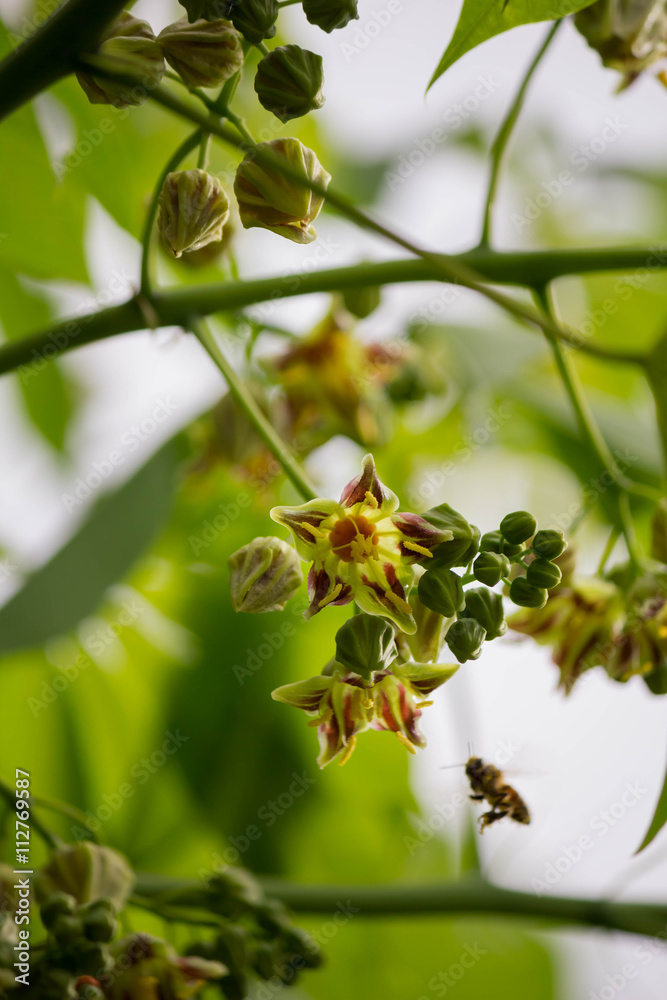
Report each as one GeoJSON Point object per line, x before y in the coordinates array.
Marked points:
{"type": "Point", "coordinates": [354, 539]}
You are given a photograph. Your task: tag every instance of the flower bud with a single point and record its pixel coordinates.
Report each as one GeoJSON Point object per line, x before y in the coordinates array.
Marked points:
{"type": "Point", "coordinates": [441, 590]}
{"type": "Point", "coordinates": [492, 541]}
{"type": "Point", "coordinates": [526, 595]}
{"type": "Point", "coordinates": [486, 608]}
{"type": "Point", "coordinates": [264, 575]}
{"type": "Point", "coordinates": [99, 921]}
{"type": "Point", "coordinates": [518, 527]}
{"type": "Point", "coordinates": [490, 568]}
{"type": "Point", "coordinates": [255, 19]}
{"type": "Point", "coordinates": [426, 643]}
{"type": "Point", "coordinates": [330, 14]}
{"type": "Point", "coordinates": [365, 644]}
{"type": "Point", "coordinates": [87, 872]}
{"type": "Point", "coordinates": [549, 543]}
{"type": "Point", "coordinates": [193, 209]}
{"type": "Point", "coordinates": [544, 574]}
{"type": "Point", "coordinates": [465, 638]}
{"type": "Point", "coordinates": [56, 905]}
{"type": "Point", "coordinates": [361, 302]}
{"type": "Point", "coordinates": [281, 204]}
{"type": "Point", "coordinates": [289, 82]}
{"type": "Point", "coordinates": [628, 36]}
{"type": "Point", "coordinates": [130, 48]}
{"type": "Point", "coordinates": [209, 10]}
{"type": "Point", "coordinates": [205, 53]}
{"type": "Point", "coordinates": [456, 551]}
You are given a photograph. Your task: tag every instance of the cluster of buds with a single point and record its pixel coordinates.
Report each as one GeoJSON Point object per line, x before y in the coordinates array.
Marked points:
{"type": "Point", "coordinates": [367, 686]}
{"type": "Point", "coordinates": [628, 36]}
{"type": "Point", "coordinates": [130, 49]}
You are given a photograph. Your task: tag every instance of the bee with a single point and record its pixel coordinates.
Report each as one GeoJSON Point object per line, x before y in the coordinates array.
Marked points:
{"type": "Point", "coordinates": [487, 783]}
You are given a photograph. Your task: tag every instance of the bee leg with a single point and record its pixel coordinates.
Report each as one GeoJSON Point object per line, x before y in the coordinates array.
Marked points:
{"type": "Point", "coordinates": [476, 798]}
{"type": "Point", "coordinates": [493, 816]}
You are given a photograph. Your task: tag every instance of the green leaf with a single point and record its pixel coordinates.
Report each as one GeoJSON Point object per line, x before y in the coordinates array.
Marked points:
{"type": "Point", "coordinates": [73, 583]}
{"type": "Point", "coordinates": [482, 19]}
{"type": "Point", "coordinates": [659, 819]}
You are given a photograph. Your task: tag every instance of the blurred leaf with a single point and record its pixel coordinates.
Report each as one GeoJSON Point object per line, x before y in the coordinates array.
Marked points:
{"type": "Point", "coordinates": [659, 818]}
{"type": "Point", "coordinates": [482, 19]}
{"type": "Point", "coordinates": [72, 584]}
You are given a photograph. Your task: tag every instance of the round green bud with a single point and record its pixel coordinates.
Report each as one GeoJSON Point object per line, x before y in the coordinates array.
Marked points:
{"type": "Point", "coordinates": [544, 574]}
{"type": "Point", "coordinates": [234, 986]}
{"type": "Point", "coordinates": [130, 48]}
{"type": "Point", "coordinates": [365, 644]}
{"type": "Point", "coordinates": [465, 638]}
{"type": "Point", "coordinates": [549, 543]}
{"type": "Point", "coordinates": [330, 14]}
{"type": "Point", "coordinates": [255, 19]}
{"type": "Point", "coordinates": [56, 905]}
{"type": "Point", "coordinates": [264, 575]}
{"type": "Point", "coordinates": [458, 550]}
{"type": "Point", "coordinates": [289, 82]}
{"type": "Point", "coordinates": [490, 568]}
{"type": "Point", "coordinates": [209, 10]}
{"type": "Point", "coordinates": [193, 209]}
{"type": "Point", "coordinates": [492, 541]}
{"type": "Point", "coordinates": [518, 527]}
{"type": "Point", "coordinates": [269, 200]}
{"type": "Point", "coordinates": [361, 302]}
{"type": "Point", "coordinates": [67, 929]}
{"type": "Point", "coordinates": [526, 595]}
{"type": "Point", "coordinates": [486, 608]}
{"type": "Point", "coordinates": [441, 590]}
{"type": "Point", "coordinates": [99, 921]}
{"type": "Point", "coordinates": [205, 53]}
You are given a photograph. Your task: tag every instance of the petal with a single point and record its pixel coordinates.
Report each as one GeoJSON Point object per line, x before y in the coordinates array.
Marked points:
{"type": "Point", "coordinates": [395, 711]}
{"type": "Point", "coordinates": [307, 695]}
{"type": "Point", "coordinates": [425, 677]}
{"type": "Point", "coordinates": [349, 716]}
{"type": "Point", "coordinates": [387, 598]}
{"type": "Point", "coordinates": [419, 537]}
{"type": "Point", "coordinates": [368, 483]}
{"type": "Point", "coordinates": [325, 588]}
{"type": "Point", "coordinates": [304, 522]}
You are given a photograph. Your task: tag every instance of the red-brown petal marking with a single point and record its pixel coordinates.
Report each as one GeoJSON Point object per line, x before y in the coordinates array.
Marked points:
{"type": "Point", "coordinates": [420, 533]}
{"type": "Point", "coordinates": [305, 524]}
{"type": "Point", "coordinates": [322, 586]}
{"type": "Point", "coordinates": [367, 482]}
{"type": "Point", "coordinates": [353, 538]}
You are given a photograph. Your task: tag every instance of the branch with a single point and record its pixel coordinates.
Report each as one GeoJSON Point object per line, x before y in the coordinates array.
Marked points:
{"type": "Point", "coordinates": [173, 308]}
{"type": "Point", "coordinates": [50, 52]}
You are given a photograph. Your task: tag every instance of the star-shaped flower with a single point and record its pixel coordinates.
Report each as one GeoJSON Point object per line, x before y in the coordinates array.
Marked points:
{"type": "Point", "coordinates": [361, 548]}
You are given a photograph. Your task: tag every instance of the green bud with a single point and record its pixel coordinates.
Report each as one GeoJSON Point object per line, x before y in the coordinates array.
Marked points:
{"type": "Point", "coordinates": [58, 904]}
{"type": "Point", "coordinates": [265, 960]}
{"type": "Point", "coordinates": [518, 527]}
{"type": "Point", "coordinates": [465, 638]}
{"type": "Point", "coordinates": [549, 543]}
{"type": "Point", "coordinates": [209, 10]}
{"type": "Point", "coordinates": [232, 947]}
{"type": "Point", "coordinates": [67, 929]}
{"type": "Point", "coordinates": [289, 82]}
{"type": "Point", "coordinates": [193, 209]}
{"type": "Point", "coordinates": [264, 575]}
{"type": "Point", "coordinates": [130, 48]}
{"type": "Point", "coordinates": [526, 595]}
{"type": "Point", "coordinates": [441, 590]}
{"type": "Point", "coordinates": [87, 872]}
{"type": "Point", "coordinates": [330, 14]}
{"type": "Point", "coordinates": [490, 568]}
{"type": "Point", "coordinates": [234, 986]}
{"type": "Point", "coordinates": [492, 541]}
{"type": "Point", "coordinates": [365, 644]}
{"type": "Point", "coordinates": [99, 921]}
{"type": "Point", "coordinates": [454, 552]}
{"type": "Point", "coordinates": [486, 608]}
{"type": "Point", "coordinates": [544, 574]}
{"type": "Point", "coordinates": [361, 302]}
{"type": "Point", "coordinates": [205, 53]}
{"type": "Point", "coordinates": [272, 201]}
{"type": "Point", "coordinates": [255, 19]}
{"type": "Point", "coordinates": [425, 644]}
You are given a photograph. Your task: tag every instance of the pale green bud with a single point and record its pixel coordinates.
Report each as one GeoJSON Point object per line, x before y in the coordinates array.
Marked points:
{"type": "Point", "coordinates": [130, 48]}
{"type": "Point", "coordinates": [289, 82]}
{"type": "Point", "coordinates": [264, 575]}
{"type": "Point", "coordinates": [87, 872]}
{"type": "Point", "coordinates": [205, 53]}
{"type": "Point", "coordinates": [193, 209]}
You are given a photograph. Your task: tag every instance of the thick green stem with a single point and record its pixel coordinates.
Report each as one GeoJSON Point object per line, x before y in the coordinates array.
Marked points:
{"type": "Point", "coordinates": [505, 131]}
{"type": "Point", "coordinates": [249, 407]}
{"type": "Point", "coordinates": [174, 307]}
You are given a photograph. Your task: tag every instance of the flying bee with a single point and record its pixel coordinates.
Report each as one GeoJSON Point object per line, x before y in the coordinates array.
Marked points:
{"type": "Point", "coordinates": [487, 783]}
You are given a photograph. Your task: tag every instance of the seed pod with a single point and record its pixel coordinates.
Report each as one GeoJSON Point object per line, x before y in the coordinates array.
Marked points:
{"type": "Point", "coordinates": [289, 82]}
{"type": "Point", "coordinates": [465, 638]}
{"type": "Point", "coordinates": [456, 551]}
{"type": "Point", "coordinates": [193, 209]}
{"type": "Point", "coordinates": [441, 590]}
{"type": "Point", "coordinates": [205, 53]}
{"type": "Point", "coordinates": [255, 19]}
{"type": "Point", "coordinates": [526, 595]}
{"type": "Point", "coordinates": [544, 574]}
{"type": "Point", "coordinates": [518, 527]}
{"type": "Point", "coordinates": [361, 302]}
{"type": "Point", "coordinates": [365, 644]}
{"type": "Point", "coordinates": [490, 568]}
{"type": "Point", "coordinates": [486, 608]}
{"type": "Point", "coordinates": [264, 575]}
{"type": "Point", "coordinates": [330, 14]}
{"type": "Point", "coordinates": [549, 543]}
{"type": "Point", "coordinates": [129, 47]}
{"type": "Point", "coordinates": [270, 200]}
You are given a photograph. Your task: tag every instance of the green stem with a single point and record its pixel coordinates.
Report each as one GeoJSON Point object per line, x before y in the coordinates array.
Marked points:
{"type": "Point", "coordinates": [9, 795]}
{"type": "Point", "coordinates": [64, 809]}
{"type": "Point", "coordinates": [251, 410]}
{"type": "Point", "coordinates": [505, 131]}
{"type": "Point", "coordinates": [175, 160]}
{"type": "Point", "coordinates": [608, 549]}
{"type": "Point", "coordinates": [204, 147]}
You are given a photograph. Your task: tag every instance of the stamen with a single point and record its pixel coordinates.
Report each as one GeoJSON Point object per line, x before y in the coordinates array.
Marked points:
{"type": "Point", "coordinates": [398, 601]}
{"type": "Point", "coordinates": [423, 704]}
{"type": "Point", "coordinates": [315, 532]}
{"type": "Point", "coordinates": [330, 597]}
{"type": "Point", "coordinates": [349, 750]}
{"type": "Point", "coordinates": [406, 743]}
{"type": "Point", "coordinates": [416, 547]}
{"type": "Point", "coordinates": [371, 499]}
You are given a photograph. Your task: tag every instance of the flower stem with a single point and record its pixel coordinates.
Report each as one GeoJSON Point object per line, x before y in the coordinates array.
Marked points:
{"type": "Point", "coordinates": [9, 795]}
{"type": "Point", "coordinates": [505, 131]}
{"type": "Point", "coordinates": [204, 147]}
{"type": "Point", "coordinates": [251, 410]}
